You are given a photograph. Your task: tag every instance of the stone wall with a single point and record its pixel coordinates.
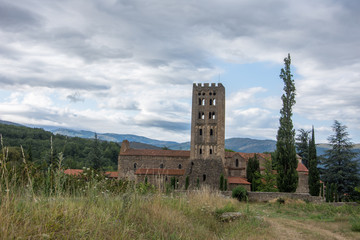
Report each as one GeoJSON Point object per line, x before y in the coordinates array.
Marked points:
{"type": "Point", "coordinates": [126, 163]}
{"type": "Point", "coordinates": [266, 196]}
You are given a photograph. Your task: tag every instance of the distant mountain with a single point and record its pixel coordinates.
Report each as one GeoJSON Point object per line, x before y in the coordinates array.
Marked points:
{"type": "Point", "coordinates": [113, 137]}
{"type": "Point", "coordinates": [10, 123]}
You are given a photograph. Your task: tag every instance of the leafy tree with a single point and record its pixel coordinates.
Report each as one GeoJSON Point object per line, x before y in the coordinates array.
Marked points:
{"type": "Point", "coordinates": [285, 154]}
{"type": "Point", "coordinates": [340, 166]}
{"type": "Point", "coordinates": [267, 180]}
{"type": "Point", "coordinates": [253, 172]}
{"type": "Point", "coordinates": [302, 146]}
{"type": "Point", "coordinates": [314, 176]}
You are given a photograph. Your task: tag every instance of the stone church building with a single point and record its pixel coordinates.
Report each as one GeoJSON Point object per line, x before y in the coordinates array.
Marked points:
{"type": "Point", "coordinates": [207, 158]}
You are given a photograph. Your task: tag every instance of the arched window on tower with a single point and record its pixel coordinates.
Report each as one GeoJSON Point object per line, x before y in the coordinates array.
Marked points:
{"type": "Point", "coordinates": [202, 115]}
{"type": "Point", "coordinates": [213, 115]}
{"type": "Point", "coordinates": [200, 151]}
{"type": "Point", "coordinates": [210, 115]}
{"type": "Point", "coordinates": [203, 101]}
{"type": "Point", "coordinates": [200, 131]}
{"type": "Point", "coordinates": [204, 177]}
{"type": "Point", "coordinates": [211, 132]}
{"type": "Point", "coordinates": [214, 102]}
{"type": "Point", "coordinates": [211, 151]}
{"type": "Point", "coordinates": [200, 101]}
{"type": "Point", "coordinates": [211, 102]}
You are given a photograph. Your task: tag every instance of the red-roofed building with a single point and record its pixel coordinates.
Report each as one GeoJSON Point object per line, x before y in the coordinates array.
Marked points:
{"type": "Point", "coordinates": [73, 172]}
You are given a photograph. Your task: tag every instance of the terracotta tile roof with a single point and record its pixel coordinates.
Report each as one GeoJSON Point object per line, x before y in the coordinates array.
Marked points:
{"type": "Point", "coordinates": [301, 168]}
{"type": "Point", "coordinates": [112, 174]}
{"type": "Point", "coordinates": [238, 180]}
{"type": "Point", "coordinates": [153, 152]}
{"type": "Point", "coordinates": [247, 155]}
{"type": "Point", "coordinates": [159, 171]}
{"type": "Point", "coordinates": [74, 172]}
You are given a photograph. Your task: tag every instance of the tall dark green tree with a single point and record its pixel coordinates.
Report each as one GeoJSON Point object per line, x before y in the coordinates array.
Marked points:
{"type": "Point", "coordinates": [314, 176]}
{"type": "Point", "coordinates": [302, 146]}
{"type": "Point", "coordinates": [285, 154]}
{"type": "Point", "coordinates": [95, 154]}
{"type": "Point", "coordinates": [340, 166]}
{"type": "Point", "coordinates": [253, 172]}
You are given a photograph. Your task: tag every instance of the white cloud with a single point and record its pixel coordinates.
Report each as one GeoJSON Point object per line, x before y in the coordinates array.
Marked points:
{"type": "Point", "coordinates": [131, 64]}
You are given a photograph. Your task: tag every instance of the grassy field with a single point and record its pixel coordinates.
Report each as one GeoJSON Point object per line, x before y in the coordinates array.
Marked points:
{"type": "Point", "coordinates": [131, 215]}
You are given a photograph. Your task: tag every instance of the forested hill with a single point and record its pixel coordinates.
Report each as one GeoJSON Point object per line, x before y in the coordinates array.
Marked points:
{"type": "Point", "coordinates": [37, 147]}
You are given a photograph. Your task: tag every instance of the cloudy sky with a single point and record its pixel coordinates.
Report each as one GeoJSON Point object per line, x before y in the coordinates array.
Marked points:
{"type": "Point", "coordinates": [128, 66]}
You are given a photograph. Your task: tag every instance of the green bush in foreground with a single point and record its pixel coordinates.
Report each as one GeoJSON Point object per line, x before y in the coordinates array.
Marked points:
{"type": "Point", "coordinates": [355, 224]}
{"type": "Point", "coordinates": [240, 193]}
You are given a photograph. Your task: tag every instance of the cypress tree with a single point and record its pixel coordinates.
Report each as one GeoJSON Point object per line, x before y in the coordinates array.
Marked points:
{"type": "Point", "coordinates": [253, 172]}
{"type": "Point", "coordinates": [95, 154]}
{"type": "Point", "coordinates": [225, 184]}
{"type": "Point", "coordinates": [221, 182]}
{"type": "Point", "coordinates": [285, 154]}
{"type": "Point", "coordinates": [187, 182]}
{"type": "Point", "coordinates": [314, 176]}
{"type": "Point", "coordinates": [302, 146]}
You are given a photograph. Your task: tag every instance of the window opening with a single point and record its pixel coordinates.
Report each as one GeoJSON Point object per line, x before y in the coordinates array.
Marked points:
{"type": "Point", "coordinates": [237, 162]}
{"type": "Point", "coordinates": [180, 166]}
{"type": "Point", "coordinates": [210, 115]}
{"type": "Point", "coordinates": [162, 165]}
{"type": "Point", "coordinates": [203, 101]}
{"type": "Point", "coordinates": [210, 151]}
{"type": "Point", "coordinates": [211, 102]}
{"type": "Point", "coordinates": [135, 165]}
{"type": "Point", "coordinates": [199, 101]}
{"type": "Point", "coordinates": [214, 102]}
{"type": "Point", "coordinates": [203, 94]}
{"type": "Point", "coordinates": [200, 151]}
{"type": "Point", "coordinates": [214, 93]}
{"type": "Point", "coordinates": [211, 132]}
{"type": "Point", "coordinates": [199, 93]}
{"type": "Point", "coordinates": [202, 115]}
{"type": "Point", "coordinates": [200, 132]}
{"type": "Point", "coordinates": [204, 177]}
{"type": "Point", "coordinates": [213, 115]}
{"type": "Point", "coordinates": [210, 93]}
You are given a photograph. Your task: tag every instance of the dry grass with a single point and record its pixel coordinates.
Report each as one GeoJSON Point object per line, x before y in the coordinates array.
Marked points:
{"type": "Point", "coordinates": [191, 215]}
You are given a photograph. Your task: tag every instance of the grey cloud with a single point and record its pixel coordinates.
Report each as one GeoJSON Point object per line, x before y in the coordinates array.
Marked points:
{"type": "Point", "coordinates": [166, 125]}
{"type": "Point", "coordinates": [66, 83]}
{"type": "Point", "coordinates": [14, 18]}
{"type": "Point", "coordinates": [75, 97]}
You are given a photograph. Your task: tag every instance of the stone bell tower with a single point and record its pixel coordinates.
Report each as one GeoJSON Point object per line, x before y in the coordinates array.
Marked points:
{"type": "Point", "coordinates": [208, 122]}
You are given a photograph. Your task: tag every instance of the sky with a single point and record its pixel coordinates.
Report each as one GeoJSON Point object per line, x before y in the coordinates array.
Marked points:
{"type": "Point", "coordinates": [128, 66]}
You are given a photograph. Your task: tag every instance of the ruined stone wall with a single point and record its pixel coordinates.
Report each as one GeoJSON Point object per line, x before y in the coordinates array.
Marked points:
{"type": "Point", "coordinates": [207, 171]}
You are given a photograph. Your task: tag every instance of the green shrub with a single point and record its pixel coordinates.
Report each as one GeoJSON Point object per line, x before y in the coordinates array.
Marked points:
{"type": "Point", "coordinates": [355, 224]}
{"type": "Point", "coordinates": [240, 193]}
{"type": "Point", "coordinates": [227, 208]}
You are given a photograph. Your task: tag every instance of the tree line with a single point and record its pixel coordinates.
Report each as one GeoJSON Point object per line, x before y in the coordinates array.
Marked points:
{"type": "Point", "coordinates": [41, 148]}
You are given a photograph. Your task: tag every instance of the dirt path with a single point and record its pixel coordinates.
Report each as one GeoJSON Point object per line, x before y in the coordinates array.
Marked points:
{"type": "Point", "coordinates": [291, 229]}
